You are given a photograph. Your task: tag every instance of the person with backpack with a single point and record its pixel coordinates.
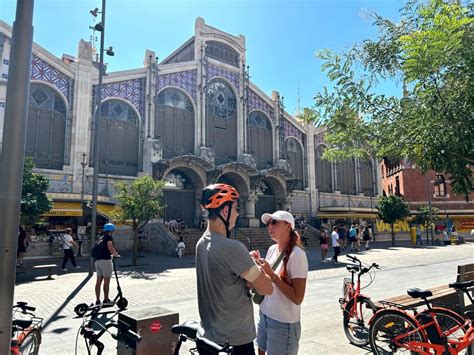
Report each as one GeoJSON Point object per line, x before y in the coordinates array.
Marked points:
{"type": "Point", "coordinates": [102, 252]}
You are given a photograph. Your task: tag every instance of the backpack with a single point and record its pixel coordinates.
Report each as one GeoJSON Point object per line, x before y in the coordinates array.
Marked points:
{"type": "Point", "coordinates": [366, 233]}
{"type": "Point", "coordinates": [97, 251]}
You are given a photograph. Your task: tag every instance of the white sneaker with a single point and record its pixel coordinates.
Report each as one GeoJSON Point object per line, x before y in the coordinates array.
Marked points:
{"type": "Point", "coordinates": [77, 267]}
{"type": "Point", "coordinates": [64, 269]}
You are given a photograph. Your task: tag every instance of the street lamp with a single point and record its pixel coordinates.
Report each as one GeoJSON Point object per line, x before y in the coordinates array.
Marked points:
{"type": "Point", "coordinates": [83, 164]}
{"type": "Point", "coordinates": [100, 27]}
{"type": "Point", "coordinates": [429, 208]}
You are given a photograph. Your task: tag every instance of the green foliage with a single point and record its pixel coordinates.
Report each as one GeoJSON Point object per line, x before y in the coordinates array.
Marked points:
{"type": "Point", "coordinates": [140, 200]}
{"type": "Point", "coordinates": [392, 208]}
{"type": "Point", "coordinates": [423, 216]}
{"type": "Point", "coordinates": [432, 52]}
{"type": "Point", "coordinates": [34, 201]}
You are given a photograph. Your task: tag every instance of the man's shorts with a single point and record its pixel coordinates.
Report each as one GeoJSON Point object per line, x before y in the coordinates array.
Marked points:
{"type": "Point", "coordinates": [104, 268]}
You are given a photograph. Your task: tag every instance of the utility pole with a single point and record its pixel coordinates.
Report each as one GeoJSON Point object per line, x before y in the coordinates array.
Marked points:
{"type": "Point", "coordinates": [12, 159]}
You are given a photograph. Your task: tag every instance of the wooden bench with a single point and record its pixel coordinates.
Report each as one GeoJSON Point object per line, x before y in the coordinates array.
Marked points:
{"type": "Point", "coordinates": [441, 294]}
{"type": "Point", "coordinates": [48, 267]}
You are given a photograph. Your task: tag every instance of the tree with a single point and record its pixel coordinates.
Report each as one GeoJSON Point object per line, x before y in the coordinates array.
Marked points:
{"type": "Point", "coordinates": [34, 201]}
{"type": "Point", "coordinates": [431, 51]}
{"type": "Point", "coordinates": [139, 202]}
{"type": "Point", "coordinates": [424, 219]}
{"type": "Point", "coordinates": [391, 209]}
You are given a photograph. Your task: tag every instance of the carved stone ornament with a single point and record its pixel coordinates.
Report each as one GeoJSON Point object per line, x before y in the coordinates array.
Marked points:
{"type": "Point", "coordinates": [156, 150]}
{"type": "Point", "coordinates": [159, 170]}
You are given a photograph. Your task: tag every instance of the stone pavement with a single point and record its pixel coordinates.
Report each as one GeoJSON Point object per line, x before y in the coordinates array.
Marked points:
{"type": "Point", "coordinates": [170, 282]}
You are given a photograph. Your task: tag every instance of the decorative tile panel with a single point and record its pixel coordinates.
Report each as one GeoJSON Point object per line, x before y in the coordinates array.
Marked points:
{"type": "Point", "coordinates": [41, 70]}
{"type": "Point", "coordinates": [213, 71]}
{"type": "Point", "coordinates": [131, 90]}
{"type": "Point", "coordinates": [255, 102]}
{"type": "Point", "coordinates": [59, 183]}
{"type": "Point", "coordinates": [319, 139]}
{"type": "Point", "coordinates": [185, 80]}
{"type": "Point", "coordinates": [291, 131]}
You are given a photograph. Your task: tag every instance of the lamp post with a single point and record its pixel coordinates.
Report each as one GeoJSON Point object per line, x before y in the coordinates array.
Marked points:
{"type": "Point", "coordinates": [83, 164]}
{"type": "Point", "coordinates": [95, 147]}
{"type": "Point", "coordinates": [429, 207]}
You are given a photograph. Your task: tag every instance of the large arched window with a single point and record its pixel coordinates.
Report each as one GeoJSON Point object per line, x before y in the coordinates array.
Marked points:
{"type": "Point", "coordinates": [346, 183]}
{"type": "Point", "coordinates": [221, 121]}
{"type": "Point", "coordinates": [366, 178]}
{"type": "Point", "coordinates": [174, 123]}
{"type": "Point", "coordinates": [222, 52]}
{"type": "Point", "coordinates": [294, 157]}
{"type": "Point", "coordinates": [260, 140]}
{"type": "Point", "coordinates": [118, 140]}
{"type": "Point", "coordinates": [46, 128]}
{"type": "Point", "coordinates": [323, 171]}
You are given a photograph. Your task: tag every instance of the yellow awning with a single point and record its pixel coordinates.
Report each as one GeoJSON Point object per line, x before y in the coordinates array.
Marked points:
{"type": "Point", "coordinates": [345, 215]}
{"type": "Point", "coordinates": [106, 210]}
{"type": "Point", "coordinates": [64, 209]}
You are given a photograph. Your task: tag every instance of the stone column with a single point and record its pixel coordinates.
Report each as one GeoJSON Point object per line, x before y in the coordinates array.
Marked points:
{"type": "Point", "coordinates": [81, 114]}
{"type": "Point", "coordinates": [149, 144]}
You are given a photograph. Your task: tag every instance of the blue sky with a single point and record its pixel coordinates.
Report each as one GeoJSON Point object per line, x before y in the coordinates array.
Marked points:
{"type": "Point", "coordinates": [281, 35]}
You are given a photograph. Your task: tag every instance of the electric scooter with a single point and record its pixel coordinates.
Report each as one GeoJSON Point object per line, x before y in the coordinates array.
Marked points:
{"type": "Point", "coordinates": [120, 301]}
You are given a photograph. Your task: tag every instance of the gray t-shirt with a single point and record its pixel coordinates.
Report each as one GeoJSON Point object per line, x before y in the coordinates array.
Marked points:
{"type": "Point", "coordinates": [225, 306]}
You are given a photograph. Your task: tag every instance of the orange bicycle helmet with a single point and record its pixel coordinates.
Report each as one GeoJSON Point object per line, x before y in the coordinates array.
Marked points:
{"type": "Point", "coordinates": [214, 196]}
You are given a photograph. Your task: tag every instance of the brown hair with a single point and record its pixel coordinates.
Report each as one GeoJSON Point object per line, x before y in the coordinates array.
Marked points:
{"type": "Point", "coordinates": [295, 240]}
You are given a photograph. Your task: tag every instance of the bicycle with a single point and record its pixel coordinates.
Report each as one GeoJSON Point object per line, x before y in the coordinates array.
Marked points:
{"type": "Point", "coordinates": [357, 308]}
{"type": "Point", "coordinates": [189, 330]}
{"type": "Point", "coordinates": [91, 336]}
{"type": "Point", "coordinates": [26, 333]}
{"type": "Point", "coordinates": [436, 329]}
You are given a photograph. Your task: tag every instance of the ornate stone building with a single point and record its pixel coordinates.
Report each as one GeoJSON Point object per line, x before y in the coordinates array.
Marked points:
{"type": "Point", "coordinates": [193, 118]}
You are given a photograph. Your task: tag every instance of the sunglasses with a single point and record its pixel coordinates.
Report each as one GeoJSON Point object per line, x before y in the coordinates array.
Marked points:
{"type": "Point", "coordinates": [273, 222]}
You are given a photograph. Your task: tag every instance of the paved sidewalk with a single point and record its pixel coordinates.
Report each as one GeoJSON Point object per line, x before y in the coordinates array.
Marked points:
{"type": "Point", "coordinates": [170, 282]}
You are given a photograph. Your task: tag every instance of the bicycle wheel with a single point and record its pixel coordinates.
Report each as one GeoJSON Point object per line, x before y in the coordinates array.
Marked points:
{"type": "Point", "coordinates": [451, 323]}
{"type": "Point", "coordinates": [355, 321]}
{"type": "Point", "coordinates": [389, 324]}
{"type": "Point", "coordinates": [31, 343]}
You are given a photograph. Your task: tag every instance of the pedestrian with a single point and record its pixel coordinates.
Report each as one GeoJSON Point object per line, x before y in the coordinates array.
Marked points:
{"type": "Point", "coordinates": [103, 264]}
{"type": "Point", "coordinates": [335, 244]}
{"type": "Point", "coordinates": [342, 236]}
{"type": "Point", "coordinates": [22, 245]}
{"type": "Point", "coordinates": [223, 268]}
{"type": "Point", "coordinates": [279, 327]}
{"type": "Point", "coordinates": [67, 242]}
{"type": "Point", "coordinates": [446, 239]}
{"type": "Point", "coordinates": [353, 238]}
{"type": "Point", "coordinates": [323, 243]}
{"type": "Point", "coordinates": [418, 235]}
{"type": "Point", "coordinates": [180, 247]}
{"type": "Point", "coordinates": [366, 236]}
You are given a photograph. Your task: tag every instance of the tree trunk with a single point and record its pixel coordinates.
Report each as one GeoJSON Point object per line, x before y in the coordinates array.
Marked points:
{"type": "Point", "coordinates": [135, 244]}
{"type": "Point", "coordinates": [427, 235]}
{"type": "Point", "coordinates": [393, 235]}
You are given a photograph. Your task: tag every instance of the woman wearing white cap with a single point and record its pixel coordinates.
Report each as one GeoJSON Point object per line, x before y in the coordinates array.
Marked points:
{"type": "Point", "coordinates": [279, 327]}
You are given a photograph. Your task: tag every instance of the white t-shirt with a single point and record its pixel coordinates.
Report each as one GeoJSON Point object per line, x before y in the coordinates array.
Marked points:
{"type": "Point", "coordinates": [334, 239]}
{"type": "Point", "coordinates": [66, 241]}
{"type": "Point", "coordinates": [277, 306]}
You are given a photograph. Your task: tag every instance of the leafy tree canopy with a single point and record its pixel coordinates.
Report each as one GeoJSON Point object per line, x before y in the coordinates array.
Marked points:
{"type": "Point", "coordinates": [431, 51]}
{"type": "Point", "coordinates": [34, 201]}
{"type": "Point", "coordinates": [392, 208]}
{"type": "Point", "coordinates": [423, 216]}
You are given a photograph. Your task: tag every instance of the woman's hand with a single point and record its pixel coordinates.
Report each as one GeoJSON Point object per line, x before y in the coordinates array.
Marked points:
{"type": "Point", "coordinates": [265, 266]}
{"type": "Point", "coordinates": [255, 254]}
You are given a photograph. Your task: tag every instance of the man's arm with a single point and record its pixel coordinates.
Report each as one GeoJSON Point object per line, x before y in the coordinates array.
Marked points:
{"type": "Point", "coordinates": [259, 280]}
{"type": "Point", "coordinates": [110, 246]}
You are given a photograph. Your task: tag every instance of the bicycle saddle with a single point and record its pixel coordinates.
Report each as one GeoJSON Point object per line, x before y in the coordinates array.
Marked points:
{"type": "Point", "coordinates": [188, 328]}
{"type": "Point", "coordinates": [22, 323]}
{"type": "Point", "coordinates": [469, 315]}
{"type": "Point", "coordinates": [417, 293]}
{"type": "Point", "coordinates": [462, 285]}
{"type": "Point", "coordinates": [352, 268]}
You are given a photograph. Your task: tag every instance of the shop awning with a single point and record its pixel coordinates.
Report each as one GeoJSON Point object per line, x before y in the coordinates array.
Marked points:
{"type": "Point", "coordinates": [345, 215]}
{"type": "Point", "coordinates": [65, 209]}
{"type": "Point", "coordinates": [106, 210]}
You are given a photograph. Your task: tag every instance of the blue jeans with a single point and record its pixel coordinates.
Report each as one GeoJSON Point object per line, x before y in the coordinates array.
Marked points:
{"type": "Point", "coordinates": [277, 338]}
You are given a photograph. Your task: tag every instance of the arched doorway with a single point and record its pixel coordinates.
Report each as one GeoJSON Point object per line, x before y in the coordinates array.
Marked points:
{"type": "Point", "coordinates": [179, 195]}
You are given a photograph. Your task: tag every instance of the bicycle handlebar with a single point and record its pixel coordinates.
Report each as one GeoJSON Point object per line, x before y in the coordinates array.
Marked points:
{"type": "Point", "coordinates": [24, 307]}
{"type": "Point", "coordinates": [209, 347]}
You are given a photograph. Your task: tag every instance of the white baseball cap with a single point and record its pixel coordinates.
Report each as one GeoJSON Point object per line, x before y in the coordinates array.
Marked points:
{"type": "Point", "coordinates": [279, 216]}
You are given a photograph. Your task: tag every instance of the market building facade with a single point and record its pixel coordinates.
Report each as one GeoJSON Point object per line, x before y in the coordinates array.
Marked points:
{"type": "Point", "coordinates": [192, 119]}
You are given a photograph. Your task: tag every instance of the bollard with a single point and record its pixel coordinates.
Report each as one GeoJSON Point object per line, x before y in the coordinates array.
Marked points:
{"type": "Point", "coordinates": [153, 324]}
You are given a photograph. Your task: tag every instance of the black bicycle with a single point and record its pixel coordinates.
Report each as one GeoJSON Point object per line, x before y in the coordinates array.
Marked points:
{"type": "Point", "coordinates": [91, 336]}
{"type": "Point", "coordinates": [189, 330]}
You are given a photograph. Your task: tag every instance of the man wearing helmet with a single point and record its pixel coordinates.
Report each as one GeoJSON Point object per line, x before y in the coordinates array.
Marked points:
{"type": "Point", "coordinates": [103, 265]}
{"type": "Point", "coordinates": [223, 268]}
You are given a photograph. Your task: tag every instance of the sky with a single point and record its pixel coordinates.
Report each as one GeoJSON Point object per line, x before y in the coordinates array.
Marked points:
{"type": "Point", "coordinates": [282, 36]}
